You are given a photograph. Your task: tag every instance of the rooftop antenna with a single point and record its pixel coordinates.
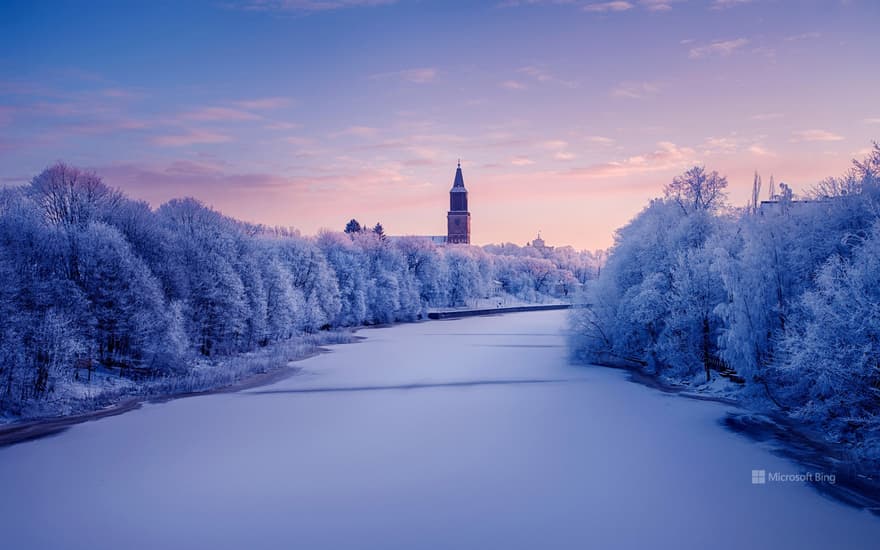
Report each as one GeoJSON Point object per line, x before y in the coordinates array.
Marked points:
{"type": "Point", "coordinates": [459, 162]}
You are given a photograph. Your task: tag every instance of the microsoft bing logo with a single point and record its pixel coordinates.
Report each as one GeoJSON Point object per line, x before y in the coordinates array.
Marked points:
{"type": "Point", "coordinates": [759, 477]}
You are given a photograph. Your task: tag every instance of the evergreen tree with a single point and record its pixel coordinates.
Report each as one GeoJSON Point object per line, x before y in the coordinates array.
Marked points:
{"type": "Point", "coordinates": [353, 226]}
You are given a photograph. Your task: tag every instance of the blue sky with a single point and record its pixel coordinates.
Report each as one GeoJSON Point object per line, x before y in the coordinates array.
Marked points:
{"type": "Point", "coordinates": [568, 116]}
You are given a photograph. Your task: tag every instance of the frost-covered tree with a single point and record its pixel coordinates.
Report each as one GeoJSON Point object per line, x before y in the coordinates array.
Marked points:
{"type": "Point", "coordinates": [70, 197]}
{"type": "Point", "coordinates": [345, 258]}
{"type": "Point", "coordinates": [285, 303]}
{"type": "Point", "coordinates": [383, 285]}
{"type": "Point", "coordinates": [832, 360]}
{"type": "Point", "coordinates": [128, 316]}
{"type": "Point", "coordinates": [689, 340]}
{"type": "Point", "coordinates": [465, 279]}
{"type": "Point", "coordinates": [655, 299]}
{"type": "Point", "coordinates": [44, 312]}
{"type": "Point", "coordinates": [248, 266]}
{"type": "Point", "coordinates": [312, 275]}
{"type": "Point", "coordinates": [427, 267]}
{"type": "Point", "coordinates": [697, 189]}
{"type": "Point", "coordinates": [205, 280]}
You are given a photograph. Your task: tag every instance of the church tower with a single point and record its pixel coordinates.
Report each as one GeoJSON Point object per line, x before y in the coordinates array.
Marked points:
{"type": "Point", "coordinates": [458, 219]}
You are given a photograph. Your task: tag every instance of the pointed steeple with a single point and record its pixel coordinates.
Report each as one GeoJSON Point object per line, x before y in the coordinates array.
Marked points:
{"type": "Point", "coordinates": [458, 219]}
{"type": "Point", "coordinates": [459, 179]}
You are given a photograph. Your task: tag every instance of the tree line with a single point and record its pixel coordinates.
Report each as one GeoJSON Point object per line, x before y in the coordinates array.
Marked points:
{"type": "Point", "coordinates": [95, 283]}
{"type": "Point", "coordinates": [786, 292]}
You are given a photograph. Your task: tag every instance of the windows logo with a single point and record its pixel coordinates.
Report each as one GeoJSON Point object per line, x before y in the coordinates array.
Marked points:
{"type": "Point", "coordinates": [759, 477]}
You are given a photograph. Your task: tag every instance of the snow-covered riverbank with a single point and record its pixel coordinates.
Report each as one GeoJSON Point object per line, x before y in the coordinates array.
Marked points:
{"type": "Point", "coordinates": [107, 393]}
{"type": "Point", "coordinates": [470, 433]}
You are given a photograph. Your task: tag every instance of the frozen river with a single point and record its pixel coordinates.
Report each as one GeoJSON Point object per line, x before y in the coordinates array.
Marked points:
{"type": "Point", "coordinates": [472, 433]}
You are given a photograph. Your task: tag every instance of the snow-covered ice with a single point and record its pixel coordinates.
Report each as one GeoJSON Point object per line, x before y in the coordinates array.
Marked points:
{"type": "Point", "coordinates": [472, 433]}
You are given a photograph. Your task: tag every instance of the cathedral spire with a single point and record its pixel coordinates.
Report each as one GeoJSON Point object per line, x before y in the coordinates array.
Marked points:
{"type": "Point", "coordinates": [459, 179]}
{"type": "Point", "coordinates": [458, 218]}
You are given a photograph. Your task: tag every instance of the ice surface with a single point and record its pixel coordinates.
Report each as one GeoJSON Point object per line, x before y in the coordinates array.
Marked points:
{"type": "Point", "coordinates": [472, 433]}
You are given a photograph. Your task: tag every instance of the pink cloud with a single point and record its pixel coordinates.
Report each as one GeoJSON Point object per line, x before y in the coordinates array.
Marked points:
{"type": "Point", "coordinates": [667, 156]}
{"type": "Point", "coordinates": [657, 5]}
{"type": "Point", "coordinates": [803, 36]}
{"type": "Point", "coordinates": [722, 4]}
{"type": "Point", "coordinates": [109, 125]}
{"type": "Point", "coordinates": [303, 6]}
{"type": "Point", "coordinates": [212, 114]}
{"type": "Point", "coordinates": [299, 141]}
{"type": "Point", "coordinates": [358, 131]}
{"type": "Point", "coordinates": [601, 140]}
{"type": "Point", "coordinates": [542, 75]}
{"type": "Point", "coordinates": [555, 144]}
{"type": "Point", "coordinates": [635, 90]}
{"type": "Point", "coordinates": [722, 145]}
{"type": "Point", "coordinates": [159, 183]}
{"type": "Point", "coordinates": [815, 135]}
{"type": "Point", "coordinates": [719, 47]}
{"type": "Point", "coordinates": [280, 125]}
{"type": "Point", "coordinates": [61, 108]}
{"type": "Point", "coordinates": [564, 156]}
{"type": "Point", "coordinates": [513, 85]}
{"type": "Point", "coordinates": [122, 93]}
{"type": "Point", "coordinates": [601, 7]}
{"type": "Point", "coordinates": [307, 201]}
{"type": "Point", "coordinates": [193, 137]}
{"type": "Point", "coordinates": [265, 103]}
{"type": "Point", "coordinates": [766, 116]}
{"type": "Point", "coordinates": [421, 75]}
{"type": "Point", "coordinates": [761, 151]}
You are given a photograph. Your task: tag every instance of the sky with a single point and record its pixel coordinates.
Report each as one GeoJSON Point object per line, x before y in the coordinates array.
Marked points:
{"type": "Point", "coordinates": [568, 116]}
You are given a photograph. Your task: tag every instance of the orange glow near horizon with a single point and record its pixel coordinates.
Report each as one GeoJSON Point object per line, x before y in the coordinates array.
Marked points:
{"type": "Point", "coordinates": [567, 209]}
